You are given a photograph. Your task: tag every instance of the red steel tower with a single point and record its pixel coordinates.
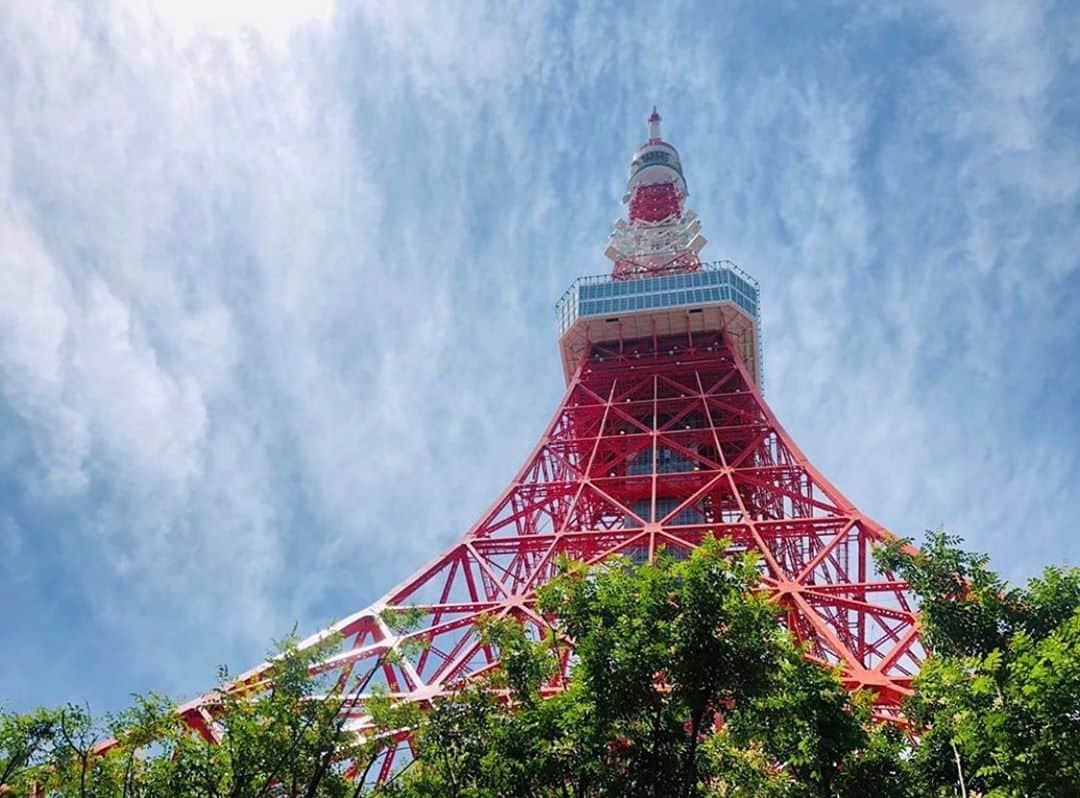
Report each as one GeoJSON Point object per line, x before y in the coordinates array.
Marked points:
{"type": "Point", "coordinates": [661, 439]}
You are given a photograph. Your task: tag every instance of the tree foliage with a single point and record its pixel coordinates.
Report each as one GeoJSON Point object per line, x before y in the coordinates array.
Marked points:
{"type": "Point", "coordinates": [286, 740]}
{"type": "Point", "coordinates": [683, 684]}
{"type": "Point", "coordinates": [998, 705]}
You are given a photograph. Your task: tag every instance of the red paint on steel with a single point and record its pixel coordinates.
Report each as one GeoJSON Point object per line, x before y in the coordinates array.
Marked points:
{"type": "Point", "coordinates": [657, 444]}
{"type": "Point", "coordinates": [655, 203]}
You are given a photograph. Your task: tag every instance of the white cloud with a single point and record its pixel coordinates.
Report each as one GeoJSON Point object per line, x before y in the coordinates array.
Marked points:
{"type": "Point", "coordinates": [275, 20]}
{"type": "Point", "coordinates": [275, 282]}
{"type": "Point", "coordinates": [35, 326]}
{"type": "Point", "coordinates": [182, 219]}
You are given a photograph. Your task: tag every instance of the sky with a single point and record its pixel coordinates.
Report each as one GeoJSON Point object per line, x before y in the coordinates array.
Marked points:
{"type": "Point", "coordinates": [277, 285]}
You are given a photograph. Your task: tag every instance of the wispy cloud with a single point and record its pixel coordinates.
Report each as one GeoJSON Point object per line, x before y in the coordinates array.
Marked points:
{"type": "Point", "coordinates": [276, 282]}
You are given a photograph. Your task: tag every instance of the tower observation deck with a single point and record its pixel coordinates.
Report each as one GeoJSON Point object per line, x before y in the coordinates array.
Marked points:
{"type": "Point", "coordinates": [662, 439]}
{"type": "Point", "coordinates": [658, 285]}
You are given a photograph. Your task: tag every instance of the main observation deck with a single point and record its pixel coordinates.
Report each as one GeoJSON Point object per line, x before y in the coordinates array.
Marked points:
{"type": "Point", "coordinates": [720, 296]}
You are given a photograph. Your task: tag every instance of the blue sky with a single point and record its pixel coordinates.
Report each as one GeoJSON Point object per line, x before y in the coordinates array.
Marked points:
{"type": "Point", "coordinates": [276, 285]}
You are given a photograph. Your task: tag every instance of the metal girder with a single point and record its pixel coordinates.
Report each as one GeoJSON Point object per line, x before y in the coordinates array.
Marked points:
{"type": "Point", "coordinates": [644, 453]}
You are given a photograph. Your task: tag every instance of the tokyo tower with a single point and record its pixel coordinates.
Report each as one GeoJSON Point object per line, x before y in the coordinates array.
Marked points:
{"type": "Point", "coordinates": [661, 439]}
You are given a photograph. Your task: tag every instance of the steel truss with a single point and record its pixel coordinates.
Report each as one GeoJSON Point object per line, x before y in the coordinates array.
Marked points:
{"type": "Point", "coordinates": [657, 444]}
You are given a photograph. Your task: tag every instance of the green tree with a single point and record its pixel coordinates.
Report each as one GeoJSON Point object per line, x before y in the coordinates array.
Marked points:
{"type": "Point", "coordinates": [997, 705]}
{"type": "Point", "coordinates": [683, 684]}
{"type": "Point", "coordinates": [287, 739]}
{"type": "Point", "coordinates": [26, 740]}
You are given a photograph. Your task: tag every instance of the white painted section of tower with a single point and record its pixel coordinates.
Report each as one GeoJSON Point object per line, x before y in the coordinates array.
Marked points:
{"type": "Point", "coordinates": [655, 163]}
{"type": "Point", "coordinates": [647, 243]}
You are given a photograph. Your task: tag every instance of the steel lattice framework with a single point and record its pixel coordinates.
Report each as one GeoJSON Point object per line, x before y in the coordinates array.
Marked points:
{"type": "Point", "coordinates": [656, 444]}
{"type": "Point", "coordinates": [662, 439]}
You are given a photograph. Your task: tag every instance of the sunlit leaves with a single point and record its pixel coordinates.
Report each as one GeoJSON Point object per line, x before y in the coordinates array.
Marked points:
{"type": "Point", "coordinates": [683, 684]}
{"type": "Point", "coordinates": [996, 705]}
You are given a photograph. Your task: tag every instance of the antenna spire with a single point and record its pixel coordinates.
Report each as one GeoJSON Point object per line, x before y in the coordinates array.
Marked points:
{"type": "Point", "coordinates": [654, 124]}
